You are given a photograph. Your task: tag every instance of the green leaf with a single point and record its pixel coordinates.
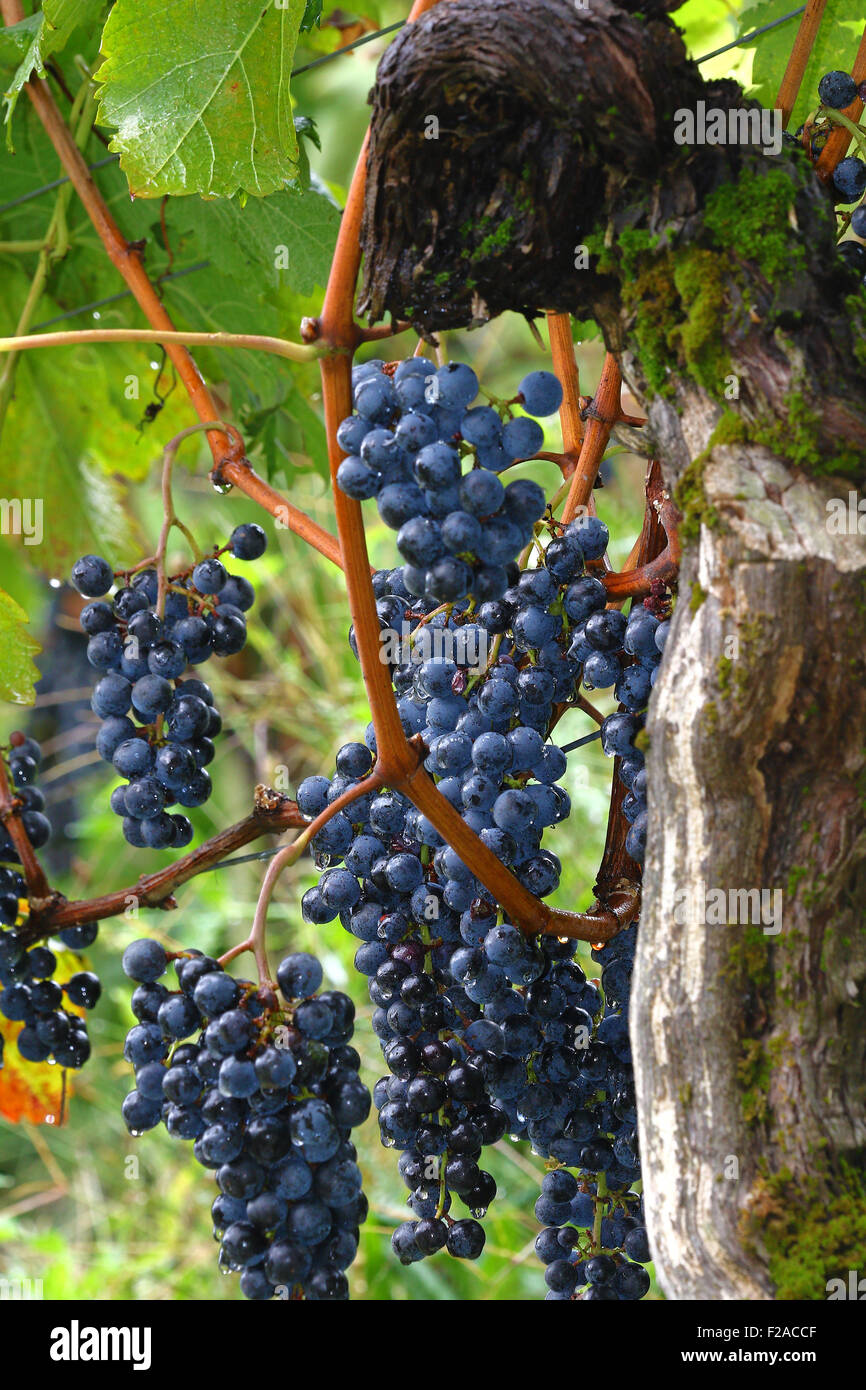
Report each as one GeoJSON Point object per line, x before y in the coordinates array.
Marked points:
{"type": "Point", "coordinates": [835, 47]}
{"type": "Point", "coordinates": [50, 32]}
{"type": "Point", "coordinates": [33, 163]}
{"type": "Point", "coordinates": [68, 431]}
{"type": "Point", "coordinates": [15, 39]}
{"type": "Point", "coordinates": [312, 15]}
{"type": "Point", "coordinates": [17, 648]}
{"type": "Point", "coordinates": [199, 95]}
{"type": "Point", "coordinates": [286, 239]}
{"type": "Point", "coordinates": [267, 395]}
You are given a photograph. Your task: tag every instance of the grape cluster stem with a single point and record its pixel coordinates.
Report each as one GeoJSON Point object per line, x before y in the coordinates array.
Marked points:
{"type": "Point", "coordinates": [272, 814]}
{"type": "Point", "coordinates": [39, 889]}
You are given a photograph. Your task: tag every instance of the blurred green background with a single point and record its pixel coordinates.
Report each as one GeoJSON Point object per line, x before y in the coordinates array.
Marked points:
{"type": "Point", "coordinates": [91, 1212]}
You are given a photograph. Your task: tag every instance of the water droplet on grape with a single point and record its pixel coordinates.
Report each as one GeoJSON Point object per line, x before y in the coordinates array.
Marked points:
{"type": "Point", "coordinates": [222, 488]}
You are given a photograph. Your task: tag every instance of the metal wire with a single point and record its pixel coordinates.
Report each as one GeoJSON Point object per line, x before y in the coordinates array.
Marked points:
{"type": "Point", "coordinates": [113, 298]}
{"type": "Point", "coordinates": [579, 742]}
{"type": "Point", "coordinates": [764, 29]}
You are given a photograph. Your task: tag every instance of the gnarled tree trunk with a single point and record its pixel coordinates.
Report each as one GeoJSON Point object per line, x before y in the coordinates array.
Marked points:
{"type": "Point", "coordinates": [714, 274]}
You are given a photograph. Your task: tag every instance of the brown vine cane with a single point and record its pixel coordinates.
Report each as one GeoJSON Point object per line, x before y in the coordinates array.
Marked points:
{"type": "Point", "coordinates": [398, 761]}
{"type": "Point", "coordinates": [126, 258]}
{"type": "Point", "coordinates": [272, 814]}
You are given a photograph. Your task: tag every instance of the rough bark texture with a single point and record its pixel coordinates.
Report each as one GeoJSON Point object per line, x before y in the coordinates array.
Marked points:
{"type": "Point", "coordinates": [483, 176]}
{"type": "Point", "coordinates": [750, 1041]}
{"type": "Point", "coordinates": [716, 280]}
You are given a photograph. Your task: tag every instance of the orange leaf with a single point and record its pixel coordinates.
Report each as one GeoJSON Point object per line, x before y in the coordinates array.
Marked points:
{"type": "Point", "coordinates": [35, 1091]}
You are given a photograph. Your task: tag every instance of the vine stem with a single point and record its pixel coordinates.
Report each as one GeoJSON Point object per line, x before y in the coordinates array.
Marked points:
{"type": "Point", "coordinates": [126, 259]}
{"type": "Point", "coordinates": [38, 887]}
{"type": "Point", "coordinates": [565, 366]}
{"type": "Point", "coordinates": [398, 763]}
{"type": "Point", "coordinates": [272, 814]}
{"type": "Point", "coordinates": [231, 468]}
{"type": "Point", "coordinates": [258, 342]}
{"type": "Point", "coordinates": [169, 518]}
{"type": "Point", "coordinates": [19, 248]}
{"type": "Point", "coordinates": [840, 119]}
{"type": "Point", "coordinates": [635, 580]}
{"type": "Point", "coordinates": [256, 941]}
{"type": "Point", "coordinates": [600, 1195]}
{"type": "Point", "coordinates": [124, 256]}
{"type": "Point", "coordinates": [839, 139]}
{"type": "Point", "coordinates": [604, 412]}
{"type": "Point", "coordinates": [54, 245]}
{"type": "Point", "coordinates": [807, 32]}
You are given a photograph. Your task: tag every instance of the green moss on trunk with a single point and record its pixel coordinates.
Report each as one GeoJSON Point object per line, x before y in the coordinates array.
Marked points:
{"type": "Point", "coordinates": [812, 1229]}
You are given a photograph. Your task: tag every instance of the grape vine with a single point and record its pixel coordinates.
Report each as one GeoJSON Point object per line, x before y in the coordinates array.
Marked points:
{"type": "Point", "coordinates": [484, 645]}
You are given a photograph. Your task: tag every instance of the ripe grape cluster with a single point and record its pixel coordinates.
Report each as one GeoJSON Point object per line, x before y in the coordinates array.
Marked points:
{"type": "Point", "coordinates": [413, 431]}
{"type": "Point", "coordinates": [643, 636]}
{"type": "Point", "coordinates": [594, 1244]}
{"type": "Point", "coordinates": [269, 1093]}
{"type": "Point", "coordinates": [485, 1031]}
{"type": "Point", "coordinates": [143, 655]}
{"type": "Point", "coordinates": [30, 994]}
{"type": "Point", "coordinates": [836, 91]}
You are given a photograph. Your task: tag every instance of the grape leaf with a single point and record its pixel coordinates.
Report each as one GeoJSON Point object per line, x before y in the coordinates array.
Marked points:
{"type": "Point", "coordinates": [267, 393]}
{"type": "Point", "coordinates": [17, 648]}
{"type": "Point", "coordinates": [286, 238]}
{"type": "Point", "coordinates": [49, 33]}
{"type": "Point", "coordinates": [16, 39]}
{"type": "Point", "coordinates": [34, 162]}
{"type": "Point", "coordinates": [199, 95]}
{"type": "Point", "coordinates": [312, 15]}
{"type": "Point", "coordinates": [64, 436]}
{"type": "Point", "coordinates": [835, 47]}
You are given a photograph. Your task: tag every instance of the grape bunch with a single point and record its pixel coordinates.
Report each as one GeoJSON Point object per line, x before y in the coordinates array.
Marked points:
{"type": "Point", "coordinates": [836, 91]}
{"type": "Point", "coordinates": [643, 637]}
{"type": "Point", "coordinates": [594, 1244]}
{"type": "Point", "coordinates": [484, 1031]}
{"type": "Point", "coordinates": [158, 724]}
{"type": "Point", "coordinates": [269, 1093]}
{"type": "Point", "coordinates": [413, 430]}
{"type": "Point", "coordinates": [30, 995]}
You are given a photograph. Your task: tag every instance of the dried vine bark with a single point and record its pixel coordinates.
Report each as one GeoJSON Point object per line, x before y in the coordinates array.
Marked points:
{"type": "Point", "coordinates": [715, 278]}
{"type": "Point", "coordinates": [483, 171]}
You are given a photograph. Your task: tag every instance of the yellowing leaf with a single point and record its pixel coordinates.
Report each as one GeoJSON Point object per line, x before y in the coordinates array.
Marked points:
{"type": "Point", "coordinates": [35, 1091]}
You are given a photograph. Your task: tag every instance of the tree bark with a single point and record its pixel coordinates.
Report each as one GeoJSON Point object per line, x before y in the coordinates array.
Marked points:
{"type": "Point", "coordinates": [716, 280]}
{"type": "Point", "coordinates": [749, 1042]}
